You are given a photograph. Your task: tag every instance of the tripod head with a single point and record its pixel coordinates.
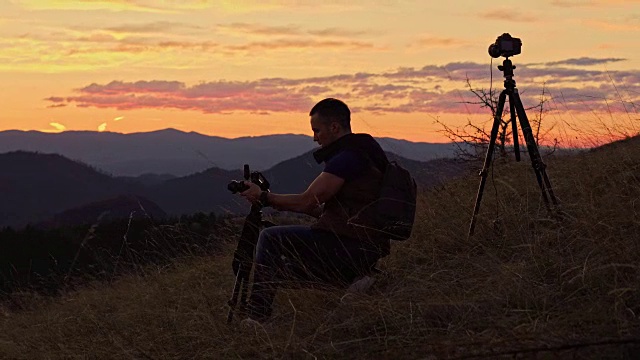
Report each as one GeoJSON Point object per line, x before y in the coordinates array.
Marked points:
{"type": "Point", "coordinates": [507, 68]}
{"type": "Point", "coordinates": [506, 46]}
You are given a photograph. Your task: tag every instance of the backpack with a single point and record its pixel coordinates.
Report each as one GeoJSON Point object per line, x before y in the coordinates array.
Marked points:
{"type": "Point", "coordinates": [393, 213]}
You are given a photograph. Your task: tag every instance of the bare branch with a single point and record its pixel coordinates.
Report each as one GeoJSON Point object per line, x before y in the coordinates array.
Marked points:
{"type": "Point", "coordinates": [472, 140]}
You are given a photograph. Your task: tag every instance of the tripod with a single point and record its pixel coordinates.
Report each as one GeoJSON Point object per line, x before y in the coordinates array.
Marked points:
{"type": "Point", "coordinates": [515, 107]}
{"type": "Point", "coordinates": [243, 257]}
{"type": "Point", "coordinates": [244, 253]}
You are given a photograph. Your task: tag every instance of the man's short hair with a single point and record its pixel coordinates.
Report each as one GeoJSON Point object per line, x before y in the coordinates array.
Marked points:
{"type": "Point", "coordinates": [331, 109]}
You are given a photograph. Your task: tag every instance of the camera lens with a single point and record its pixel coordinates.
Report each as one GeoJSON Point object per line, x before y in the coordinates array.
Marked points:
{"type": "Point", "coordinates": [236, 186]}
{"type": "Point", "coordinates": [494, 51]}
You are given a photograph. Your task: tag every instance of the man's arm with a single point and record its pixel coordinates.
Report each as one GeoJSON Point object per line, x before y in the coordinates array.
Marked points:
{"type": "Point", "coordinates": [323, 188]}
{"type": "Point", "coordinates": [310, 202]}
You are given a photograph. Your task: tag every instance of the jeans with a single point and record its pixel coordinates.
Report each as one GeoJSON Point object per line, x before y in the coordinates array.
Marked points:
{"type": "Point", "coordinates": [301, 256]}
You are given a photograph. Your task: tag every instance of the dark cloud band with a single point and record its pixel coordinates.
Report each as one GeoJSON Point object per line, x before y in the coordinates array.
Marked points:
{"type": "Point", "coordinates": [432, 88]}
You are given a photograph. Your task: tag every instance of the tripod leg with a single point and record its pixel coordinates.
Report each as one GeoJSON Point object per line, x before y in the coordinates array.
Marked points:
{"type": "Point", "coordinates": [240, 289]}
{"type": "Point", "coordinates": [534, 154]}
{"type": "Point", "coordinates": [245, 290]}
{"type": "Point", "coordinates": [514, 127]}
{"type": "Point", "coordinates": [243, 257]}
{"type": "Point", "coordinates": [549, 188]}
{"type": "Point", "coordinates": [234, 297]}
{"type": "Point", "coordinates": [488, 157]}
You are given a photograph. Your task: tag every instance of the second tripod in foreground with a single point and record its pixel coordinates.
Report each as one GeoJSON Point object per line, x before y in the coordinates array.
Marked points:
{"type": "Point", "coordinates": [516, 108]}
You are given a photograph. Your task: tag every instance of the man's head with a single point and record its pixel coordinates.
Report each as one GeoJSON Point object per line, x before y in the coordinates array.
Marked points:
{"type": "Point", "coordinates": [330, 120]}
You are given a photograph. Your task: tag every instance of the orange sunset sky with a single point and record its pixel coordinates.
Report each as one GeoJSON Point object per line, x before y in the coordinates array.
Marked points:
{"type": "Point", "coordinates": [244, 68]}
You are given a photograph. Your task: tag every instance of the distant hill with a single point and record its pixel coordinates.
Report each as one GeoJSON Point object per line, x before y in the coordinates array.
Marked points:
{"type": "Point", "coordinates": [293, 175]}
{"type": "Point", "coordinates": [50, 188]}
{"type": "Point", "coordinates": [147, 179]}
{"type": "Point", "coordinates": [420, 151]}
{"type": "Point", "coordinates": [205, 191]}
{"type": "Point", "coordinates": [434, 172]}
{"type": "Point", "coordinates": [180, 153]}
{"type": "Point", "coordinates": [122, 206]}
{"type": "Point", "coordinates": [37, 186]}
{"type": "Point", "coordinates": [165, 151]}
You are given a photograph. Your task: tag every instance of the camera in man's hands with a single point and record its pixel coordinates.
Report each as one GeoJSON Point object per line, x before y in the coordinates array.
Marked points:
{"type": "Point", "coordinates": [506, 46]}
{"type": "Point", "coordinates": [255, 177]}
{"type": "Point", "coordinates": [236, 186]}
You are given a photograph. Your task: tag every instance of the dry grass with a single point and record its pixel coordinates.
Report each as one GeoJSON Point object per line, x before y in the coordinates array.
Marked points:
{"type": "Point", "coordinates": [530, 286]}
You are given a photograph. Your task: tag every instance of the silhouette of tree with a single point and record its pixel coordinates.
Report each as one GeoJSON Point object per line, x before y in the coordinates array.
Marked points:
{"type": "Point", "coordinates": [472, 139]}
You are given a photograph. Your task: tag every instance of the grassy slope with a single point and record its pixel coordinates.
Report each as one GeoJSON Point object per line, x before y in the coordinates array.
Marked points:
{"type": "Point", "coordinates": [536, 283]}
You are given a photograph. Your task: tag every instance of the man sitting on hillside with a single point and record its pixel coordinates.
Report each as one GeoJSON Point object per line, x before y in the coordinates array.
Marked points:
{"type": "Point", "coordinates": [337, 247]}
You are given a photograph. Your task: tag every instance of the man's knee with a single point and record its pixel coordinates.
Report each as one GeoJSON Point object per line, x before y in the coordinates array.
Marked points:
{"type": "Point", "coordinates": [270, 242]}
{"type": "Point", "coordinates": [264, 245]}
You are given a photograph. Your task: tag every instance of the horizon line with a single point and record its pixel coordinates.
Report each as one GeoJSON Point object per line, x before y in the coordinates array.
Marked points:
{"type": "Point", "coordinates": [198, 133]}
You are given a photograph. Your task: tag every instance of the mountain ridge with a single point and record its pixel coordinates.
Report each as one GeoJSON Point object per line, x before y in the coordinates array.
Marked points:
{"type": "Point", "coordinates": [181, 153]}
{"type": "Point", "coordinates": [36, 187]}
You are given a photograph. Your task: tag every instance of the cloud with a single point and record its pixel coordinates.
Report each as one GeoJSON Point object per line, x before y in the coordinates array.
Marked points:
{"type": "Point", "coordinates": [282, 44]}
{"type": "Point", "coordinates": [213, 97]}
{"type": "Point", "coordinates": [315, 90]}
{"type": "Point", "coordinates": [102, 127]}
{"type": "Point", "coordinates": [287, 30]}
{"type": "Point", "coordinates": [572, 3]}
{"type": "Point", "coordinates": [118, 87]}
{"type": "Point", "coordinates": [177, 46]}
{"type": "Point", "coordinates": [585, 61]}
{"type": "Point", "coordinates": [152, 27]}
{"type": "Point", "coordinates": [312, 6]}
{"type": "Point", "coordinates": [152, 6]}
{"type": "Point", "coordinates": [432, 88]}
{"type": "Point", "coordinates": [118, 118]}
{"type": "Point", "coordinates": [616, 26]}
{"type": "Point", "coordinates": [259, 29]}
{"type": "Point", "coordinates": [339, 32]}
{"type": "Point", "coordinates": [105, 43]}
{"type": "Point", "coordinates": [55, 99]}
{"type": "Point", "coordinates": [606, 99]}
{"type": "Point", "coordinates": [219, 6]}
{"type": "Point", "coordinates": [89, 49]}
{"type": "Point", "coordinates": [97, 38]}
{"type": "Point", "coordinates": [512, 15]}
{"type": "Point", "coordinates": [433, 41]}
{"type": "Point", "coordinates": [58, 126]}
{"type": "Point", "coordinates": [591, 3]}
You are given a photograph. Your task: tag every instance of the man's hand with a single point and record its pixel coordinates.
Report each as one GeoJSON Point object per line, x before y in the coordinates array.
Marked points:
{"type": "Point", "coordinates": [323, 188]}
{"type": "Point", "coordinates": [252, 194]}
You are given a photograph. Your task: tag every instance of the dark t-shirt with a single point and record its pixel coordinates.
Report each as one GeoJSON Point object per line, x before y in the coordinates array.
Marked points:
{"type": "Point", "coordinates": [347, 164]}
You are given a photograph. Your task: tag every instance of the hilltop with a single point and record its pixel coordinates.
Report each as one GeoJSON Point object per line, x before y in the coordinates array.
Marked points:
{"type": "Point", "coordinates": [179, 153]}
{"type": "Point", "coordinates": [527, 284]}
{"type": "Point", "coordinates": [37, 186]}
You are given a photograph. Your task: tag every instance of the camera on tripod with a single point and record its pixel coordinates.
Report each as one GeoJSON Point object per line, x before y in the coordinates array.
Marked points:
{"type": "Point", "coordinates": [506, 46]}
{"type": "Point", "coordinates": [255, 177]}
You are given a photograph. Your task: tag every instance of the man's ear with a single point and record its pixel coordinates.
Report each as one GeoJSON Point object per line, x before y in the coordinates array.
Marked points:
{"type": "Point", "coordinates": [335, 127]}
